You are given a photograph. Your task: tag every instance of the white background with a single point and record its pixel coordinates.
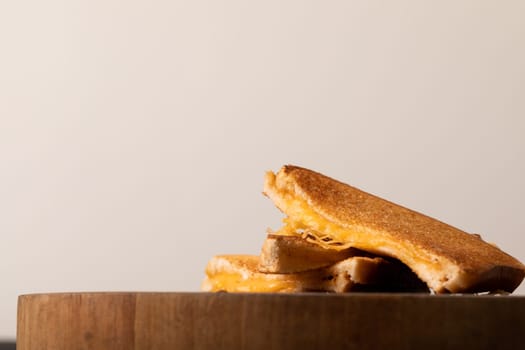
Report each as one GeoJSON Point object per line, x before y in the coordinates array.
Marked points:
{"type": "Point", "coordinates": [134, 135]}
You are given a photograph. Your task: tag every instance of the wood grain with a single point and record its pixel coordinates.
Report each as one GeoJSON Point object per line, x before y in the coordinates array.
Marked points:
{"type": "Point", "coordinates": [162, 321]}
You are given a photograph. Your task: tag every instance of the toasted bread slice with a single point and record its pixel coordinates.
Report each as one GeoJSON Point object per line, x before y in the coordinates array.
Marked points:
{"type": "Point", "coordinates": [239, 273]}
{"type": "Point", "coordinates": [446, 258]}
{"type": "Point", "coordinates": [290, 254]}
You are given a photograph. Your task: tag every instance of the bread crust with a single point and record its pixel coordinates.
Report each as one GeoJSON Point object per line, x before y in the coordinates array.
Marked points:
{"type": "Point", "coordinates": [468, 264]}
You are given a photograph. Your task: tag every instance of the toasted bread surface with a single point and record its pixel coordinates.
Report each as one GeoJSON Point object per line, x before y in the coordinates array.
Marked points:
{"type": "Point", "coordinates": [446, 258]}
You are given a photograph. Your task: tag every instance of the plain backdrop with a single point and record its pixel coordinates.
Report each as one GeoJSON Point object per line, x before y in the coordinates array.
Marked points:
{"type": "Point", "coordinates": [134, 135]}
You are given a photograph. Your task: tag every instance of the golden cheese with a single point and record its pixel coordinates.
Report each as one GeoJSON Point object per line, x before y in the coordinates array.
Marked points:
{"type": "Point", "coordinates": [234, 282]}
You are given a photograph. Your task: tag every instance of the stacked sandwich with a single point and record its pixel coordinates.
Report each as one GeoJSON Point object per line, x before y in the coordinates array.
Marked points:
{"type": "Point", "coordinates": [337, 238]}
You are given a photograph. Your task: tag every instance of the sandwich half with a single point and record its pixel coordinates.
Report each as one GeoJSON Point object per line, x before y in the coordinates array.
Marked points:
{"type": "Point", "coordinates": [240, 273]}
{"type": "Point", "coordinates": [337, 216]}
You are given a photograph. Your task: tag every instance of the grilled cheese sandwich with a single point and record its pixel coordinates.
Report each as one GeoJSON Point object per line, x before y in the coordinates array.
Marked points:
{"type": "Point", "coordinates": [337, 238]}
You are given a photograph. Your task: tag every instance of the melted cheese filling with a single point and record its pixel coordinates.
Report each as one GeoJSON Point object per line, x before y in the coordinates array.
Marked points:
{"type": "Point", "coordinates": [314, 228]}
{"type": "Point", "coordinates": [234, 282]}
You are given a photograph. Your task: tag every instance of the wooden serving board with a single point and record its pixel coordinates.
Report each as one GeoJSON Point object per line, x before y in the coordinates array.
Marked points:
{"type": "Point", "coordinates": [162, 321]}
